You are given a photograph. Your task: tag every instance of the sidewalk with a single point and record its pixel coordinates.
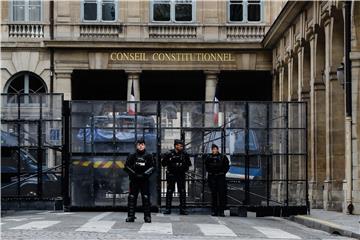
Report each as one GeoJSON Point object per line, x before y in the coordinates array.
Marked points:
{"type": "Point", "coordinates": [332, 222]}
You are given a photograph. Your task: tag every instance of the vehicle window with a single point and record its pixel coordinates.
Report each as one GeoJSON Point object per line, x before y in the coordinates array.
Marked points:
{"type": "Point", "coordinates": [8, 157]}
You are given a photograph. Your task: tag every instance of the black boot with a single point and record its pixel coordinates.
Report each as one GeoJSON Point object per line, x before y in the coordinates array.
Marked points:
{"type": "Point", "coordinates": [183, 211]}
{"type": "Point", "coordinates": [130, 219]}
{"type": "Point", "coordinates": [146, 206]}
{"type": "Point", "coordinates": [168, 202]}
{"type": "Point", "coordinates": [147, 219]}
{"type": "Point", "coordinates": [221, 212]}
{"type": "Point", "coordinates": [183, 202]}
{"type": "Point", "coordinates": [214, 212]}
{"type": "Point", "coordinates": [214, 208]}
{"type": "Point", "coordinates": [131, 209]}
{"type": "Point", "coordinates": [167, 211]}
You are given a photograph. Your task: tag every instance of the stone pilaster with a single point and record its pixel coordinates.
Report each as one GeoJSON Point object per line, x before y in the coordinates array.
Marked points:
{"type": "Point", "coordinates": [281, 83]}
{"type": "Point", "coordinates": [275, 86]}
{"type": "Point", "coordinates": [290, 76]}
{"type": "Point", "coordinates": [353, 172]}
{"type": "Point", "coordinates": [335, 127]}
{"type": "Point", "coordinates": [62, 82]}
{"type": "Point", "coordinates": [133, 78]}
{"type": "Point", "coordinates": [317, 129]}
{"type": "Point", "coordinates": [211, 82]}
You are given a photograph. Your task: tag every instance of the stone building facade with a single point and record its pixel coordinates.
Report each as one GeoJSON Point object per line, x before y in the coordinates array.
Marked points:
{"type": "Point", "coordinates": [308, 58]}
{"type": "Point", "coordinates": [54, 46]}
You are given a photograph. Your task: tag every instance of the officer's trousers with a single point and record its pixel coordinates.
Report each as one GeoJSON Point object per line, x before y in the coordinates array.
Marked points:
{"type": "Point", "coordinates": [171, 180]}
{"type": "Point", "coordinates": [218, 187]}
{"type": "Point", "coordinates": [136, 186]}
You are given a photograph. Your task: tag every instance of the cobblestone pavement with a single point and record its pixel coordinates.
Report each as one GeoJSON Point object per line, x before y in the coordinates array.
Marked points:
{"type": "Point", "coordinates": [47, 225]}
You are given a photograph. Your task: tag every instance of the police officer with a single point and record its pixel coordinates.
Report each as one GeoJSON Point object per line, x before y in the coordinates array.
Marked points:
{"type": "Point", "coordinates": [139, 166]}
{"type": "Point", "coordinates": [177, 162]}
{"type": "Point", "coordinates": [217, 165]}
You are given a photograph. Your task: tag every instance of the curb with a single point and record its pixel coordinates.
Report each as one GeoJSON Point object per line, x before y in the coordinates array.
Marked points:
{"type": "Point", "coordinates": [323, 225]}
{"type": "Point", "coordinates": [5, 213]}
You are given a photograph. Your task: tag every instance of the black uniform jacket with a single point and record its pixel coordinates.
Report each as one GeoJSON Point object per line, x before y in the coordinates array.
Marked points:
{"type": "Point", "coordinates": [216, 164]}
{"type": "Point", "coordinates": [176, 162]}
{"type": "Point", "coordinates": [139, 165]}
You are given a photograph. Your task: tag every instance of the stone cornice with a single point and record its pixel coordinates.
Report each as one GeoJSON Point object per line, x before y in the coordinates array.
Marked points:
{"type": "Point", "coordinates": [286, 17]}
{"type": "Point", "coordinates": [154, 45]}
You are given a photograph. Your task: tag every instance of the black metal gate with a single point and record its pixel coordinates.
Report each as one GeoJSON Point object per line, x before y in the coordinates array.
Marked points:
{"type": "Point", "coordinates": [31, 147]}
{"type": "Point", "coordinates": [102, 135]}
{"type": "Point", "coordinates": [265, 142]}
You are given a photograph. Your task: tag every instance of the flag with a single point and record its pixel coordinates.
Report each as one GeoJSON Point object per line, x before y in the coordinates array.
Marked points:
{"type": "Point", "coordinates": [216, 107]}
{"type": "Point", "coordinates": [131, 106]}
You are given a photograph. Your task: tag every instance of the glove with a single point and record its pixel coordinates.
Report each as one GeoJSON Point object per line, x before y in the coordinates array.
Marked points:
{"type": "Point", "coordinates": [148, 172]}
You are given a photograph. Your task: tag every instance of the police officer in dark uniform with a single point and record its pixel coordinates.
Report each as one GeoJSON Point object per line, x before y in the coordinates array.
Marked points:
{"type": "Point", "coordinates": [217, 165]}
{"type": "Point", "coordinates": [139, 165]}
{"type": "Point", "coordinates": [177, 162]}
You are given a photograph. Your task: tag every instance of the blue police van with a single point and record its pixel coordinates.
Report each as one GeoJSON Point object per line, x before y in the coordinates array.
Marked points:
{"type": "Point", "coordinates": [123, 129]}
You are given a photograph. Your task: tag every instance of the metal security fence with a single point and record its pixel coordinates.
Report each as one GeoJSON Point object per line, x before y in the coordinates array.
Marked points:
{"type": "Point", "coordinates": [265, 142]}
{"type": "Point", "coordinates": [102, 135]}
{"type": "Point", "coordinates": [76, 150]}
{"type": "Point", "coordinates": [31, 146]}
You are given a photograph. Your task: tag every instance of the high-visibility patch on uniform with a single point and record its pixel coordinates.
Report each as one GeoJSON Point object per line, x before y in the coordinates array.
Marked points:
{"type": "Point", "coordinates": [99, 164]}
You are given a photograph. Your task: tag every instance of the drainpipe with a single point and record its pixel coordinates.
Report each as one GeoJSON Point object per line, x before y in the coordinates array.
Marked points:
{"type": "Point", "coordinates": [348, 107]}
{"type": "Point", "coordinates": [51, 12]}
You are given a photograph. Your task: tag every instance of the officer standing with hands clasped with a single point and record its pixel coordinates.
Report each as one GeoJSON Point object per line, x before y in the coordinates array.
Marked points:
{"type": "Point", "coordinates": [217, 165]}
{"type": "Point", "coordinates": [139, 166]}
{"type": "Point", "coordinates": [177, 162]}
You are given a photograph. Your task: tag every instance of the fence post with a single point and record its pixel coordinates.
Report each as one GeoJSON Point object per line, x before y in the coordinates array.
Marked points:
{"type": "Point", "coordinates": [66, 155]}
{"type": "Point", "coordinates": [268, 185]}
{"type": "Point", "coordinates": [40, 153]}
{"type": "Point", "coordinates": [158, 153]}
{"type": "Point", "coordinates": [18, 126]}
{"type": "Point", "coordinates": [246, 131]}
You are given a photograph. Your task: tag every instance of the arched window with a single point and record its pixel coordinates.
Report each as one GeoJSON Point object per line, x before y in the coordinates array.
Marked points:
{"type": "Point", "coordinates": [25, 83]}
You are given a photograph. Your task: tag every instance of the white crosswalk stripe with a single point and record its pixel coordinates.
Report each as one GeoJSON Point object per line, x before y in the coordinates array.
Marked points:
{"type": "Point", "coordinates": [96, 226]}
{"type": "Point", "coordinates": [64, 213]}
{"type": "Point", "coordinates": [45, 212]}
{"type": "Point", "coordinates": [276, 233]}
{"type": "Point", "coordinates": [157, 228]}
{"type": "Point", "coordinates": [37, 225]}
{"type": "Point", "coordinates": [100, 216]}
{"type": "Point", "coordinates": [16, 219]}
{"type": "Point", "coordinates": [216, 230]}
